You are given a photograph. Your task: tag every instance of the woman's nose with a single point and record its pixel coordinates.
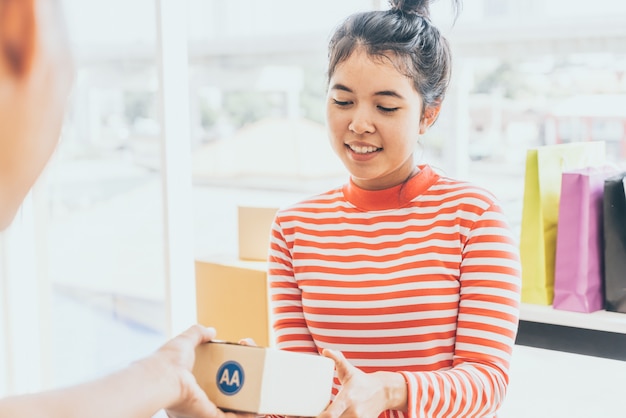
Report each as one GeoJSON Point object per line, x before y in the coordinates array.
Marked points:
{"type": "Point", "coordinates": [361, 123]}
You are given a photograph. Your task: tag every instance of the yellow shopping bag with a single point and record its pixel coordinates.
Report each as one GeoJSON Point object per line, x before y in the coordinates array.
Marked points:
{"type": "Point", "coordinates": [542, 189]}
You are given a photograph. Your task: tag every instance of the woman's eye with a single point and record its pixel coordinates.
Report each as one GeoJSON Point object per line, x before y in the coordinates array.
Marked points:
{"type": "Point", "coordinates": [341, 103]}
{"type": "Point", "coordinates": [388, 109]}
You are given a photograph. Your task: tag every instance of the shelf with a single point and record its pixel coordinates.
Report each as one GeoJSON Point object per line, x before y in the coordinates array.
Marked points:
{"type": "Point", "coordinates": [600, 320]}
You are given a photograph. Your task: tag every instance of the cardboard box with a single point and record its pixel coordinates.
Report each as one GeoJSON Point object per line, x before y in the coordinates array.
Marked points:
{"type": "Point", "coordinates": [232, 296]}
{"type": "Point", "coordinates": [264, 380]}
{"type": "Point", "coordinates": [254, 226]}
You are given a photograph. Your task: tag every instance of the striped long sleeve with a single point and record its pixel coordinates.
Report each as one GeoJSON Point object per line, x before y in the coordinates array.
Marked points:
{"type": "Point", "coordinates": [422, 279]}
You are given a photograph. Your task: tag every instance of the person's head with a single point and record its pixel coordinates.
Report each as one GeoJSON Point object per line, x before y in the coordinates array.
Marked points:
{"type": "Point", "coordinates": [35, 79]}
{"type": "Point", "coordinates": [388, 73]}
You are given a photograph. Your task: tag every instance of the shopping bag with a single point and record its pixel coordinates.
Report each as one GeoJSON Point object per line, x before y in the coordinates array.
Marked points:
{"type": "Point", "coordinates": [578, 271]}
{"type": "Point", "coordinates": [542, 189]}
{"type": "Point", "coordinates": [615, 243]}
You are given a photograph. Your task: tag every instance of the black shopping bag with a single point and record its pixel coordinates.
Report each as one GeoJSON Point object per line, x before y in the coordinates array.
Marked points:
{"type": "Point", "coordinates": [615, 243]}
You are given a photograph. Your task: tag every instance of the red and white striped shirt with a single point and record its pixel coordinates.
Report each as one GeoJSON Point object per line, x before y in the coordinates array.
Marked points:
{"type": "Point", "coordinates": [422, 279]}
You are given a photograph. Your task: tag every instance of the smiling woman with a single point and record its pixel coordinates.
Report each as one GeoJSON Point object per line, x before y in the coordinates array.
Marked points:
{"type": "Point", "coordinates": [409, 280]}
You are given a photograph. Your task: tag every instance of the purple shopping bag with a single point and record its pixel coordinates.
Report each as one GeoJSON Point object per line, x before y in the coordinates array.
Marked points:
{"type": "Point", "coordinates": [578, 275]}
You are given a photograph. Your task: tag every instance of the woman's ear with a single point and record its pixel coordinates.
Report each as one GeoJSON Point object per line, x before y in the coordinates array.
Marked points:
{"type": "Point", "coordinates": [430, 116]}
{"type": "Point", "coordinates": [18, 35]}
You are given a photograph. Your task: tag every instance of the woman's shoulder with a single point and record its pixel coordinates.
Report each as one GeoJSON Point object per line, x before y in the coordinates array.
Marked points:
{"type": "Point", "coordinates": [448, 188]}
{"type": "Point", "coordinates": [326, 201]}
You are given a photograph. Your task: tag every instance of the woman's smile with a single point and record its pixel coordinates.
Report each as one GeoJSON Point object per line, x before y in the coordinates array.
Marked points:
{"type": "Point", "coordinates": [363, 149]}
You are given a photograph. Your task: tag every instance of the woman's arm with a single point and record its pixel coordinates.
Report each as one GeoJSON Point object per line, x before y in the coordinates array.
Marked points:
{"type": "Point", "coordinates": [488, 314]}
{"type": "Point", "coordinates": [290, 328]}
{"type": "Point", "coordinates": [490, 278]}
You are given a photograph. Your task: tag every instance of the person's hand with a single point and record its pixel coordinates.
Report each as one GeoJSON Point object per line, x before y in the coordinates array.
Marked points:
{"type": "Point", "coordinates": [178, 355]}
{"type": "Point", "coordinates": [362, 394]}
{"type": "Point", "coordinates": [175, 360]}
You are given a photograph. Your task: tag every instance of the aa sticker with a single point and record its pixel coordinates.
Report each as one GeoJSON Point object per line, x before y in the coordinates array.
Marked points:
{"type": "Point", "coordinates": [230, 377]}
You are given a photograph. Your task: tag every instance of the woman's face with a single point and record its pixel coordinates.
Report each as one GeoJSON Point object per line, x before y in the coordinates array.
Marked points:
{"type": "Point", "coordinates": [373, 117]}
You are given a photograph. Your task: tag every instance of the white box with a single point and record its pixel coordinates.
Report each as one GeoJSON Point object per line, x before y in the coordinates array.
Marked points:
{"type": "Point", "coordinates": [264, 380]}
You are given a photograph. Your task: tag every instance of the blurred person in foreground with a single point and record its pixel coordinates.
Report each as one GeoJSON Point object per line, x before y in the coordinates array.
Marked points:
{"type": "Point", "coordinates": [36, 75]}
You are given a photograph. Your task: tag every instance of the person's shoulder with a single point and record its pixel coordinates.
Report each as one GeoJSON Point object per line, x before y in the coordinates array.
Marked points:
{"type": "Point", "coordinates": [449, 188]}
{"type": "Point", "coordinates": [327, 200]}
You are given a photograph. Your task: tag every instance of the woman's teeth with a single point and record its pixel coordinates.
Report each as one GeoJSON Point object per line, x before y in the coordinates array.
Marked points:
{"type": "Point", "coordinates": [363, 150]}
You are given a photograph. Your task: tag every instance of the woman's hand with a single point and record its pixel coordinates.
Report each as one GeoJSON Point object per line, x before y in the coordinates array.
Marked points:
{"type": "Point", "coordinates": [247, 341]}
{"type": "Point", "coordinates": [362, 394]}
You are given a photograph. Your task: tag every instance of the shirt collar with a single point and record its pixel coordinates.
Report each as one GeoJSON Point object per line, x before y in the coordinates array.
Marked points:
{"type": "Point", "coordinates": [393, 197]}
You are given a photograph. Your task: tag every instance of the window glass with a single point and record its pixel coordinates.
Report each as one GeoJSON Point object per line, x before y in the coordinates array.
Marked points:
{"type": "Point", "coordinates": [105, 221]}
{"type": "Point", "coordinates": [258, 98]}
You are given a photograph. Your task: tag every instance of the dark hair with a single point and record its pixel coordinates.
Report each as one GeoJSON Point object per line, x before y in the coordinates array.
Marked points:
{"type": "Point", "coordinates": [404, 35]}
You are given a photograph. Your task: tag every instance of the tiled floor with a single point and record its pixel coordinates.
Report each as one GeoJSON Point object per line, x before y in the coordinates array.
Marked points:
{"type": "Point", "coordinates": [544, 383]}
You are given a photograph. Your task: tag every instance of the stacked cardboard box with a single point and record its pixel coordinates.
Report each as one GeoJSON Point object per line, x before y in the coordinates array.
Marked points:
{"type": "Point", "coordinates": [254, 225]}
{"type": "Point", "coordinates": [232, 296]}
{"type": "Point", "coordinates": [232, 293]}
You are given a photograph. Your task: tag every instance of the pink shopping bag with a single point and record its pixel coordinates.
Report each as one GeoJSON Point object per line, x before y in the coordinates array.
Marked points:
{"type": "Point", "coordinates": [578, 274]}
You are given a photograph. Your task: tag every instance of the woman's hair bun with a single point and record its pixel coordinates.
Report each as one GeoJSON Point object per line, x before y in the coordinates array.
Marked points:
{"type": "Point", "coordinates": [416, 7]}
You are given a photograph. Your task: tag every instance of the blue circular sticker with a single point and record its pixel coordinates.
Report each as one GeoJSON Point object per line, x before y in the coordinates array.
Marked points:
{"type": "Point", "coordinates": [230, 378]}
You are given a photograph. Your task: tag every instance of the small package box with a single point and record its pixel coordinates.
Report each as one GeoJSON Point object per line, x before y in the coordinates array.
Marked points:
{"type": "Point", "coordinates": [232, 296]}
{"type": "Point", "coordinates": [264, 380]}
{"type": "Point", "coordinates": [254, 226]}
